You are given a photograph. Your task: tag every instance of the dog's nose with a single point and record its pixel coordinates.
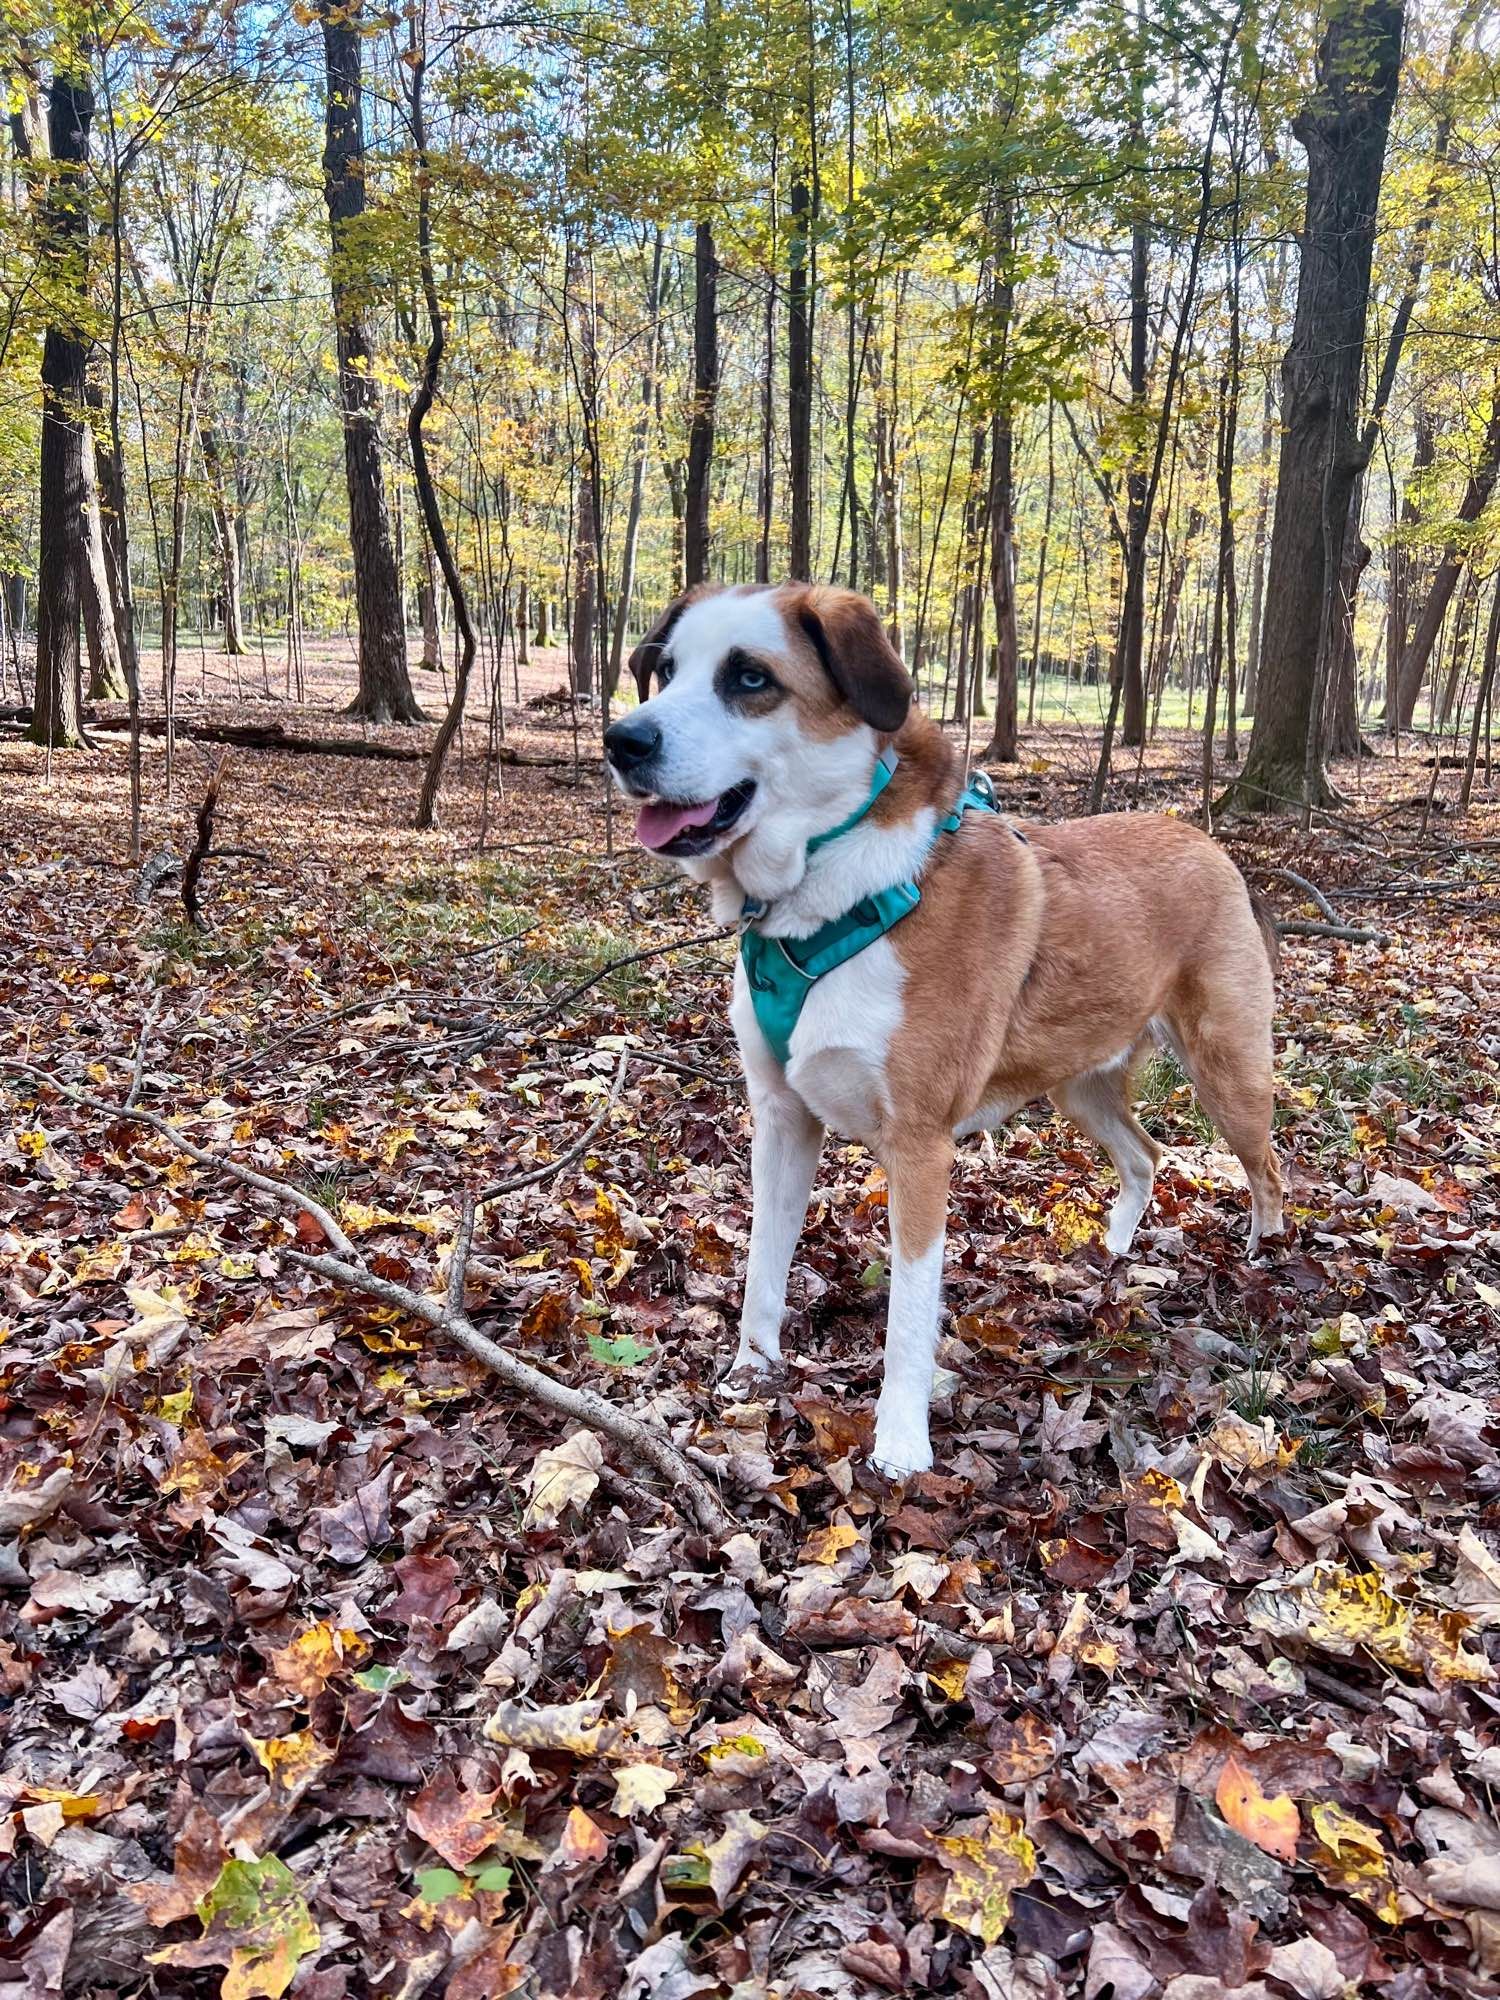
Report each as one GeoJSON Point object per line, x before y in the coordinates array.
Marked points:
{"type": "Point", "coordinates": [631, 743]}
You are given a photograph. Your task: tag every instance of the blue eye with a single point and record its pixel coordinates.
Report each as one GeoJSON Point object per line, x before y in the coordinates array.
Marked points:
{"type": "Point", "coordinates": [664, 672]}
{"type": "Point", "coordinates": [751, 679]}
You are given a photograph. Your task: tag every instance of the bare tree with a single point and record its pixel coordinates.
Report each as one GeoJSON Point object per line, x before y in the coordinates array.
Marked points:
{"type": "Point", "coordinates": [385, 691]}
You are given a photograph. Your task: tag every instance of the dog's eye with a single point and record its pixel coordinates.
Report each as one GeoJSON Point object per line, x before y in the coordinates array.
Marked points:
{"type": "Point", "coordinates": [664, 672]}
{"type": "Point", "coordinates": [750, 680]}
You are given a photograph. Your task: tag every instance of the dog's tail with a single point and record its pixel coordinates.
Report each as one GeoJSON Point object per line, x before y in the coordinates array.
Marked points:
{"type": "Point", "coordinates": [1266, 924]}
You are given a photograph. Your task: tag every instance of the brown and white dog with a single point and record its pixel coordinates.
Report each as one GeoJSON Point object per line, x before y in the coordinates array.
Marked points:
{"type": "Point", "coordinates": [1043, 966]}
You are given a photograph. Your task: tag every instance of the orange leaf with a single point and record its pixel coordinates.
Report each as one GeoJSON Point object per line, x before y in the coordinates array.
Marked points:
{"type": "Point", "coordinates": [1272, 1823]}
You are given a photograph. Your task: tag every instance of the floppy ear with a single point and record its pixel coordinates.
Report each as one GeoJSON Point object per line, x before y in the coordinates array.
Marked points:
{"type": "Point", "coordinates": [848, 637]}
{"type": "Point", "coordinates": [643, 660]}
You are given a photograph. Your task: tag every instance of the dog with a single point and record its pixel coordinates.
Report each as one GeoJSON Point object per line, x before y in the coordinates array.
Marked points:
{"type": "Point", "coordinates": [915, 967]}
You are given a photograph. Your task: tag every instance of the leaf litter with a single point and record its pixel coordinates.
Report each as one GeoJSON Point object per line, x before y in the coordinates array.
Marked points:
{"type": "Point", "coordinates": [327, 1667]}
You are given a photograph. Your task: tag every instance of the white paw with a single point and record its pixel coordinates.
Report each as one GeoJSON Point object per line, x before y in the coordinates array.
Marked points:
{"type": "Point", "coordinates": [1118, 1241]}
{"type": "Point", "coordinates": [897, 1458]}
{"type": "Point", "coordinates": [747, 1371]}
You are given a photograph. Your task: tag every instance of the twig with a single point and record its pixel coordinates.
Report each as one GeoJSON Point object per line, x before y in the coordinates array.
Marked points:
{"type": "Point", "coordinates": [1309, 889]}
{"type": "Point", "coordinates": [458, 1256]}
{"type": "Point", "coordinates": [567, 998]}
{"type": "Point", "coordinates": [1343, 931]}
{"type": "Point", "coordinates": [643, 1439]}
{"type": "Point", "coordinates": [197, 854]}
{"type": "Point", "coordinates": [138, 1070]}
{"type": "Point", "coordinates": [555, 1167]}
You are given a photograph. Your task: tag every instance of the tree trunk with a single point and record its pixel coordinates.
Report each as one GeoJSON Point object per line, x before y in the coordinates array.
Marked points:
{"type": "Point", "coordinates": [766, 496]}
{"type": "Point", "coordinates": [226, 541]}
{"type": "Point", "coordinates": [385, 693]}
{"type": "Point", "coordinates": [1137, 515]}
{"type": "Point", "coordinates": [1344, 128]}
{"type": "Point", "coordinates": [427, 606]}
{"type": "Point", "coordinates": [106, 667]}
{"type": "Point", "coordinates": [1341, 717]}
{"type": "Point", "coordinates": [60, 556]}
{"type": "Point", "coordinates": [799, 381]}
{"type": "Point", "coordinates": [1258, 554]}
{"type": "Point", "coordinates": [638, 468]}
{"type": "Point", "coordinates": [1424, 638]}
{"type": "Point", "coordinates": [1398, 620]}
{"type": "Point", "coordinates": [705, 396]}
{"type": "Point", "coordinates": [1002, 746]}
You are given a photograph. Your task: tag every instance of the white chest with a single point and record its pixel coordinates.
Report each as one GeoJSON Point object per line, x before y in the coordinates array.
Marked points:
{"type": "Point", "coordinates": [840, 1045]}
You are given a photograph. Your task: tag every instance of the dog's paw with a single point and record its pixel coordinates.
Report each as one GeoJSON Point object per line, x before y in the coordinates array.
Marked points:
{"type": "Point", "coordinates": [748, 1374]}
{"type": "Point", "coordinates": [898, 1459]}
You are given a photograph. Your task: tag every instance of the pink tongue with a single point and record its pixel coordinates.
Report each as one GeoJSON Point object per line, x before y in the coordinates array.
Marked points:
{"type": "Point", "coordinates": [657, 824]}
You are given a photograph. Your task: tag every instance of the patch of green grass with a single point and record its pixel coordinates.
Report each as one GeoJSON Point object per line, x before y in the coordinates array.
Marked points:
{"type": "Point", "coordinates": [1166, 1104]}
{"type": "Point", "coordinates": [1385, 1085]}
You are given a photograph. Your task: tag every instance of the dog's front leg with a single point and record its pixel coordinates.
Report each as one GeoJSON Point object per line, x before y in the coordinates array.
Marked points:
{"type": "Point", "coordinates": [783, 1159]}
{"type": "Point", "coordinates": [918, 1177]}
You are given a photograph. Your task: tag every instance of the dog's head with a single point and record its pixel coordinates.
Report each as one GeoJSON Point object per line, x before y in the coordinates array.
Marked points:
{"type": "Point", "coordinates": [762, 714]}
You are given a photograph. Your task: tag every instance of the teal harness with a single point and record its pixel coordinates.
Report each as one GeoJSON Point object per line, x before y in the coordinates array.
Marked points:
{"type": "Point", "coordinates": [783, 971]}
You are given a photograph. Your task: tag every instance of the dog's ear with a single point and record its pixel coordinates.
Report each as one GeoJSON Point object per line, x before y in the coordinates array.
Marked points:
{"type": "Point", "coordinates": [846, 633]}
{"type": "Point", "coordinates": [643, 660]}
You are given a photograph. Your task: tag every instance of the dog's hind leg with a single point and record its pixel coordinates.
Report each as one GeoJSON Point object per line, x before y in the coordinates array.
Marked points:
{"type": "Point", "coordinates": [1098, 1102]}
{"type": "Point", "coordinates": [783, 1160]}
{"type": "Point", "coordinates": [1231, 1073]}
{"type": "Point", "coordinates": [917, 1171]}
{"type": "Point", "coordinates": [1227, 1055]}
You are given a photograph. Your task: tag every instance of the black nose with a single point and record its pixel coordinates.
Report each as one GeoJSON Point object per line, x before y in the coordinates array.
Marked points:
{"type": "Point", "coordinates": [631, 743]}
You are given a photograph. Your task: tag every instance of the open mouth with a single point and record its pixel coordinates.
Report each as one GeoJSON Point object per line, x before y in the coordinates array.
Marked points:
{"type": "Point", "coordinates": [682, 827]}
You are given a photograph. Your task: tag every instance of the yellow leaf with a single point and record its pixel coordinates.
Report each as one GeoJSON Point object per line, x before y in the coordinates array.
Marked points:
{"type": "Point", "coordinates": [357, 1217]}
{"type": "Point", "coordinates": [1343, 1610]}
{"type": "Point", "coordinates": [951, 1678]}
{"type": "Point", "coordinates": [293, 1761]}
{"type": "Point", "coordinates": [73, 1805]}
{"type": "Point", "coordinates": [395, 1141]}
{"type": "Point", "coordinates": [641, 1789]}
{"type": "Point", "coordinates": [1071, 1225]}
{"type": "Point", "coordinates": [1272, 1822]}
{"type": "Point", "coordinates": [176, 1406]}
{"type": "Point", "coordinates": [307, 1663]}
{"type": "Point", "coordinates": [1351, 1856]}
{"type": "Point", "coordinates": [826, 1545]}
{"type": "Point", "coordinates": [33, 1143]}
{"type": "Point", "coordinates": [581, 1841]}
{"type": "Point", "coordinates": [577, 1727]}
{"type": "Point", "coordinates": [105, 1260]}
{"type": "Point", "coordinates": [983, 1869]}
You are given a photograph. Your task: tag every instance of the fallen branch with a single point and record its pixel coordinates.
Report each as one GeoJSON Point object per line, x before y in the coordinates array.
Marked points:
{"type": "Point", "coordinates": [555, 1167]}
{"type": "Point", "coordinates": [646, 1441]}
{"type": "Point", "coordinates": [1309, 889]}
{"type": "Point", "coordinates": [197, 854]}
{"type": "Point", "coordinates": [276, 736]}
{"type": "Point", "coordinates": [566, 999]}
{"type": "Point", "coordinates": [1341, 931]}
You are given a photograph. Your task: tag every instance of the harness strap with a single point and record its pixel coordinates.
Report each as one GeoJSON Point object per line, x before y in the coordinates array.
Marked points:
{"type": "Point", "coordinates": [781, 972]}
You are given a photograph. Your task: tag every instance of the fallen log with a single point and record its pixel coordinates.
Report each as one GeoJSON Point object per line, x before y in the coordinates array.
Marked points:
{"type": "Point", "coordinates": [276, 736]}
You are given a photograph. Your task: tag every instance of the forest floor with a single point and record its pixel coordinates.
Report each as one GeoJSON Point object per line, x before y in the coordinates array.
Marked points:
{"type": "Point", "coordinates": [329, 1665]}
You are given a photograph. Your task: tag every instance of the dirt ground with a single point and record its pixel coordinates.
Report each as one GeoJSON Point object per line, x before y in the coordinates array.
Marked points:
{"type": "Point", "coordinates": [330, 1665]}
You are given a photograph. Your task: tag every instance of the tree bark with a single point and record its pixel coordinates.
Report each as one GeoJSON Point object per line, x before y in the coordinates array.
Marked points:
{"type": "Point", "coordinates": [799, 380]}
{"type": "Point", "coordinates": [60, 556]}
{"type": "Point", "coordinates": [106, 667]}
{"type": "Point", "coordinates": [705, 397]}
{"type": "Point", "coordinates": [1476, 497]}
{"type": "Point", "coordinates": [226, 542]}
{"type": "Point", "coordinates": [638, 467]}
{"type": "Point", "coordinates": [385, 692]}
{"type": "Point", "coordinates": [1002, 746]}
{"type": "Point", "coordinates": [1344, 128]}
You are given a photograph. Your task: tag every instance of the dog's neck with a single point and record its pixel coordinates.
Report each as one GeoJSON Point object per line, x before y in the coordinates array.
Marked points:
{"type": "Point", "coordinates": [889, 844]}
